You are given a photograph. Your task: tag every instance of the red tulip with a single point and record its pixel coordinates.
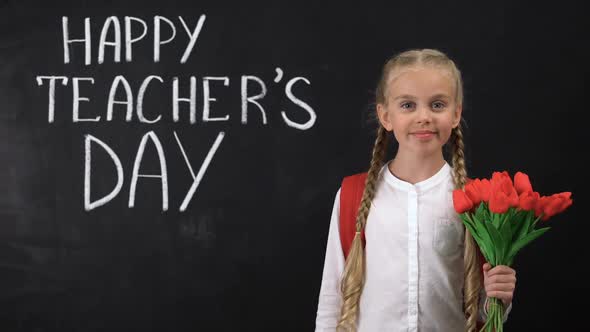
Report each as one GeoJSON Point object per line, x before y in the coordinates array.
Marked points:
{"type": "Point", "coordinates": [461, 201]}
{"type": "Point", "coordinates": [502, 182]}
{"type": "Point", "coordinates": [472, 192]}
{"type": "Point", "coordinates": [557, 204]}
{"type": "Point", "coordinates": [567, 200]}
{"type": "Point", "coordinates": [528, 200]}
{"type": "Point", "coordinates": [484, 186]}
{"type": "Point", "coordinates": [522, 183]}
{"type": "Point", "coordinates": [500, 177]}
{"type": "Point", "coordinates": [540, 205]}
{"type": "Point", "coordinates": [499, 202]}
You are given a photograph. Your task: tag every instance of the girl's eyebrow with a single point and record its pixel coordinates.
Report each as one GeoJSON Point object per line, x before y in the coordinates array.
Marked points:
{"type": "Point", "coordinates": [439, 95]}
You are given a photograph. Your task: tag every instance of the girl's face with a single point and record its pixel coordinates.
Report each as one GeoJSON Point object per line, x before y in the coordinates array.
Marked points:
{"type": "Point", "coordinates": [420, 108]}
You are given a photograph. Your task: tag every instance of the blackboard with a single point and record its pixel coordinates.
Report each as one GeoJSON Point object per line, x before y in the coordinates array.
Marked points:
{"type": "Point", "coordinates": [213, 215]}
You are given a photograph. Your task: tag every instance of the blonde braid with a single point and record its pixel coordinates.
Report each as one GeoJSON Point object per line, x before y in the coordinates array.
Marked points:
{"type": "Point", "coordinates": [458, 158]}
{"type": "Point", "coordinates": [471, 262]}
{"type": "Point", "coordinates": [353, 277]}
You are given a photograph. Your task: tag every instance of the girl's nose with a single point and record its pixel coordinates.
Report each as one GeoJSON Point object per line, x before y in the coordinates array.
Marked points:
{"type": "Point", "coordinates": [424, 114]}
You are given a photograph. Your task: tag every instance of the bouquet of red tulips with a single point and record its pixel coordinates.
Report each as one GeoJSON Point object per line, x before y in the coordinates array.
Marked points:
{"type": "Point", "coordinates": [501, 215]}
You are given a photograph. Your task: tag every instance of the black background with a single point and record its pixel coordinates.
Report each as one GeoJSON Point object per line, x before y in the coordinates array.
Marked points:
{"type": "Point", "coordinates": [248, 252]}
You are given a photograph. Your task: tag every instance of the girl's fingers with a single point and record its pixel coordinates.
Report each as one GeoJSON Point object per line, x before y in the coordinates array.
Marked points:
{"type": "Point", "coordinates": [500, 279]}
{"type": "Point", "coordinates": [501, 269]}
{"type": "Point", "coordinates": [506, 287]}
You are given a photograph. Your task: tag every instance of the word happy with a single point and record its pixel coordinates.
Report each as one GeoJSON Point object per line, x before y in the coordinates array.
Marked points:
{"type": "Point", "coordinates": [113, 23]}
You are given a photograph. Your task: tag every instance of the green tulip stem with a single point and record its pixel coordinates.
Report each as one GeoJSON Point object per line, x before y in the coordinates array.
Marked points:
{"type": "Point", "coordinates": [494, 322]}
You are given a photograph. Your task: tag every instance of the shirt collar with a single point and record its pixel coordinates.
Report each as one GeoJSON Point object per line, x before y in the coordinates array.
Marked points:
{"type": "Point", "coordinates": [443, 173]}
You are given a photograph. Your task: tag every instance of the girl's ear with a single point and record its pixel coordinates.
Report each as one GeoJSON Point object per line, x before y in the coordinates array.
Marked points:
{"type": "Point", "coordinates": [383, 117]}
{"type": "Point", "coordinates": [457, 115]}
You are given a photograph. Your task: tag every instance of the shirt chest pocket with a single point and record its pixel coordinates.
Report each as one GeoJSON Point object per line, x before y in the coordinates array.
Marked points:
{"type": "Point", "coordinates": [447, 236]}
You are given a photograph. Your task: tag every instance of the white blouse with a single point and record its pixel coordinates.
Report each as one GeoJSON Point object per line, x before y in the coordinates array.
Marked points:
{"type": "Point", "coordinates": [414, 260]}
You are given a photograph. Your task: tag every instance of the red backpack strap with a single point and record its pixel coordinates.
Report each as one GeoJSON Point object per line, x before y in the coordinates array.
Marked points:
{"type": "Point", "coordinates": [351, 194]}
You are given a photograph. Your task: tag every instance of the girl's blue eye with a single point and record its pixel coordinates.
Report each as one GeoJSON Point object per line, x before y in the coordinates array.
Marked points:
{"type": "Point", "coordinates": [441, 105]}
{"type": "Point", "coordinates": [437, 105]}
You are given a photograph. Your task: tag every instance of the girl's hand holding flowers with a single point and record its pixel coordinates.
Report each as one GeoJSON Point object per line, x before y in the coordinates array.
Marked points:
{"type": "Point", "coordinates": [499, 282]}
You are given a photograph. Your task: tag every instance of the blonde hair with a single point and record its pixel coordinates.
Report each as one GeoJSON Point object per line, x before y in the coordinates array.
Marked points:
{"type": "Point", "coordinates": [353, 277]}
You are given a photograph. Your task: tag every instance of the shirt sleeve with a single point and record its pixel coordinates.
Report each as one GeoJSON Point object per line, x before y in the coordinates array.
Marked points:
{"type": "Point", "coordinates": [483, 300]}
{"type": "Point", "coordinates": [330, 298]}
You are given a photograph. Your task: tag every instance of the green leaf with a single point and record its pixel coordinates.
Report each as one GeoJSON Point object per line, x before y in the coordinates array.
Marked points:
{"type": "Point", "coordinates": [465, 218]}
{"type": "Point", "coordinates": [513, 211]}
{"type": "Point", "coordinates": [525, 227]}
{"type": "Point", "coordinates": [498, 243]}
{"type": "Point", "coordinates": [496, 220]}
{"type": "Point", "coordinates": [521, 214]}
{"type": "Point", "coordinates": [483, 247]}
{"type": "Point", "coordinates": [476, 237]}
{"type": "Point", "coordinates": [469, 224]}
{"type": "Point", "coordinates": [481, 211]}
{"type": "Point", "coordinates": [489, 244]}
{"type": "Point", "coordinates": [526, 240]}
{"type": "Point", "coordinates": [488, 214]}
{"type": "Point", "coordinates": [535, 222]}
{"type": "Point", "coordinates": [506, 232]}
{"type": "Point", "coordinates": [477, 231]}
{"type": "Point", "coordinates": [518, 221]}
{"type": "Point", "coordinates": [486, 245]}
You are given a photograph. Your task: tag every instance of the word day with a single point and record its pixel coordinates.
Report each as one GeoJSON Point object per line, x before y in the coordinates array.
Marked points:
{"type": "Point", "coordinates": [90, 140]}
